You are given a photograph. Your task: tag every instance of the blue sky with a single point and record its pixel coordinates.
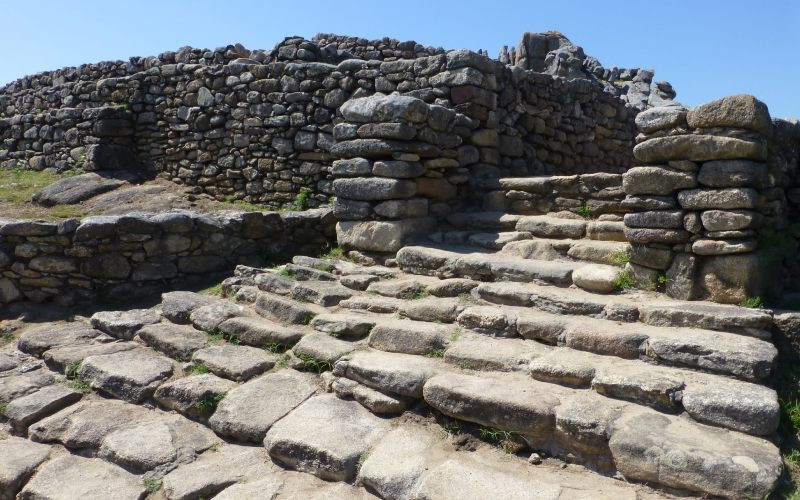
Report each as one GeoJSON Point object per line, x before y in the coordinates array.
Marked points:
{"type": "Point", "coordinates": [705, 48]}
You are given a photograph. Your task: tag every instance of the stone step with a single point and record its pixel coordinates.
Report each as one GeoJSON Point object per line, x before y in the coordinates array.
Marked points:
{"type": "Point", "coordinates": [446, 262]}
{"type": "Point", "coordinates": [465, 262]}
{"type": "Point", "coordinates": [481, 239]}
{"type": "Point", "coordinates": [711, 399]}
{"type": "Point", "coordinates": [601, 252]}
{"type": "Point", "coordinates": [627, 438]}
{"type": "Point", "coordinates": [649, 308]}
{"type": "Point", "coordinates": [724, 353]}
{"type": "Point", "coordinates": [484, 220]}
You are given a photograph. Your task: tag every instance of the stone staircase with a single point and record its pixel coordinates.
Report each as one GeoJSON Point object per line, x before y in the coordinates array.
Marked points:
{"type": "Point", "coordinates": [342, 371]}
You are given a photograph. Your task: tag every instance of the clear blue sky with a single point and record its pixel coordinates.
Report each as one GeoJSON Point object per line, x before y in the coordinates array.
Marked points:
{"type": "Point", "coordinates": [705, 48]}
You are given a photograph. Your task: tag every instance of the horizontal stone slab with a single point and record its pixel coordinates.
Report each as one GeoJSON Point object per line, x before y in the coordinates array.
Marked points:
{"type": "Point", "coordinates": [698, 148]}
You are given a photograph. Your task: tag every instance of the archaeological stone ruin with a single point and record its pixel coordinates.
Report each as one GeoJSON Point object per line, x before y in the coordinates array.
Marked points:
{"type": "Point", "coordinates": [438, 275]}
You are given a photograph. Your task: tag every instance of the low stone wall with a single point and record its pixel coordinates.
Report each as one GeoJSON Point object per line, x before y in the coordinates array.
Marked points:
{"type": "Point", "coordinates": [104, 256]}
{"type": "Point", "coordinates": [592, 194]}
{"type": "Point", "coordinates": [711, 184]}
{"type": "Point", "coordinates": [70, 138]}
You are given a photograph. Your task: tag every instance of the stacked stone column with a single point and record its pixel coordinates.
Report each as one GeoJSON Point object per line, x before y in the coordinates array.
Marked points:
{"type": "Point", "coordinates": [396, 170]}
{"type": "Point", "coordinates": [698, 198]}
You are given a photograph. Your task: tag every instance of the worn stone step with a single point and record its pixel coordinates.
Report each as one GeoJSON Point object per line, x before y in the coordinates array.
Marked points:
{"type": "Point", "coordinates": [604, 230]}
{"type": "Point", "coordinates": [414, 461]}
{"type": "Point", "coordinates": [176, 341]}
{"type": "Point", "coordinates": [715, 461]}
{"type": "Point", "coordinates": [322, 347]}
{"type": "Point", "coordinates": [23, 411]}
{"type": "Point", "coordinates": [601, 252]}
{"type": "Point", "coordinates": [325, 436]}
{"type": "Point", "coordinates": [323, 293]}
{"type": "Point", "coordinates": [484, 220]}
{"type": "Point", "coordinates": [449, 262]}
{"type": "Point", "coordinates": [287, 310]}
{"type": "Point", "coordinates": [345, 325]}
{"type": "Point", "coordinates": [392, 373]}
{"type": "Point", "coordinates": [711, 399]}
{"type": "Point", "coordinates": [705, 350]}
{"type": "Point", "coordinates": [235, 362]}
{"type": "Point", "coordinates": [637, 306]}
{"type": "Point", "coordinates": [410, 337]}
{"type": "Point", "coordinates": [249, 410]}
{"type": "Point", "coordinates": [547, 226]}
{"type": "Point", "coordinates": [259, 332]}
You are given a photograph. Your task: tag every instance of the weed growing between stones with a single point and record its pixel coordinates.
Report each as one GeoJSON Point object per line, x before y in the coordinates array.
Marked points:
{"type": "Point", "coordinates": [208, 403]}
{"type": "Point", "coordinates": [275, 347]}
{"type": "Point", "coordinates": [3, 410]}
{"type": "Point", "coordinates": [450, 426]}
{"type": "Point", "coordinates": [419, 294]}
{"type": "Point", "coordinates": [363, 458]}
{"type": "Point", "coordinates": [437, 352]}
{"type": "Point", "coordinates": [214, 291]}
{"type": "Point", "coordinates": [584, 212]}
{"type": "Point", "coordinates": [81, 385]}
{"type": "Point", "coordinates": [505, 440]}
{"type": "Point", "coordinates": [72, 370]}
{"type": "Point", "coordinates": [196, 368]}
{"type": "Point", "coordinates": [619, 259]}
{"type": "Point", "coordinates": [787, 383]}
{"type": "Point", "coordinates": [218, 336]}
{"type": "Point", "coordinates": [283, 362]}
{"type": "Point", "coordinates": [6, 337]}
{"type": "Point", "coordinates": [624, 280]}
{"type": "Point", "coordinates": [752, 302]}
{"type": "Point", "coordinates": [286, 273]}
{"type": "Point", "coordinates": [455, 334]}
{"type": "Point", "coordinates": [151, 485]}
{"type": "Point", "coordinates": [311, 363]}
{"type": "Point", "coordinates": [306, 319]}
{"type": "Point", "coordinates": [300, 201]}
{"type": "Point", "coordinates": [332, 253]}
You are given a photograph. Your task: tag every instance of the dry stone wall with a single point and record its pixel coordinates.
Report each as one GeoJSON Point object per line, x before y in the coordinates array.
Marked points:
{"type": "Point", "coordinates": [258, 126]}
{"type": "Point", "coordinates": [104, 257]}
{"type": "Point", "coordinates": [708, 195]}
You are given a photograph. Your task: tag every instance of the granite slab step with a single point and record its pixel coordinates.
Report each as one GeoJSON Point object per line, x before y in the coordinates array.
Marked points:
{"type": "Point", "coordinates": [716, 461]}
{"type": "Point", "coordinates": [724, 353]}
{"type": "Point", "coordinates": [484, 220]}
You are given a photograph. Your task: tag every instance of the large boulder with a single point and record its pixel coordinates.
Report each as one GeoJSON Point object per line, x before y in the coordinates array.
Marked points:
{"type": "Point", "coordinates": [379, 236]}
{"type": "Point", "coordinates": [698, 148]}
{"type": "Point", "coordinates": [738, 111]}
{"type": "Point", "coordinates": [388, 108]}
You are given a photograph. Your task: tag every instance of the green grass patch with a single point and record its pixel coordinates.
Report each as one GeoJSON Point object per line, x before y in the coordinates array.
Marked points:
{"type": "Point", "coordinates": [151, 485]}
{"type": "Point", "coordinates": [624, 280]}
{"type": "Point", "coordinates": [300, 201]}
{"type": "Point", "coordinates": [619, 259]}
{"type": "Point", "coordinates": [787, 384]}
{"type": "Point", "coordinates": [214, 291]}
{"type": "Point", "coordinates": [451, 427]}
{"type": "Point", "coordinates": [6, 337]}
{"type": "Point", "coordinates": [196, 368]}
{"type": "Point", "coordinates": [207, 404]}
{"type": "Point", "coordinates": [72, 370]}
{"type": "Point", "coordinates": [752, 303]}
{"type": "Point", "coordinates": [311, 363]}
{"type": "Point", "coordinates": [275, 347]}
{"type": "Point", "coordinates": [17, 186]}
{"type": "Point", "coordinates": [3, 409]}
{"type": "Point", "coordinates": [437, 352]}
{"type": "Point", "coordinates": [455, 334]}
{"type": "Point", "coordinates": [80, 385]}
{"type": "Point", "coordinates": [332, 253]}
{"type": "Point", "coordinates": [420, 294]}
{"type": "Point", "coordinates": [583, 211]}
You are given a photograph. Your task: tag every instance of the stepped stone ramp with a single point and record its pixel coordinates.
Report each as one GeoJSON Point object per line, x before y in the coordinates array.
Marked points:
{"type": "Point", "coordinates": [344, 400]}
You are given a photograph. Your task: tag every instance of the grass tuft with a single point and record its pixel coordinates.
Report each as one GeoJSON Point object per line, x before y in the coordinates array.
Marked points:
{"type": "Point", "coordinates": [752, 302]}
{"type": "Point", "coordinates": [214, 291]}
{"type": "Point", "coordinates": [72, 370]}
{"type": "Point", "coordinates": [583, 211]}
{"type": "Point", "coordinates": [196, 368]}
{"type": "Point", "coordinates": [619, 259]}
{"type": "Point", "coordinates": [624, 280]}
{"type": "Point", "coordinates": [332, 253]}
{"type": "Point", "coordinates": [300, 201]}
{"type": "Point", "coordinates": [151, 485]}
{"type": "Point", "coordinates": [275, 347]}
{"type": "Point", "coordinates": [208, 403]}
{"type": "Point", "coordinates": [437, 352]}
{"type": "Point", "coordinates": [6, 337]}
{"type": "Point", "coordinates": [81, 385]}
{"type": "Point", "coordinates": [313, 364]}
